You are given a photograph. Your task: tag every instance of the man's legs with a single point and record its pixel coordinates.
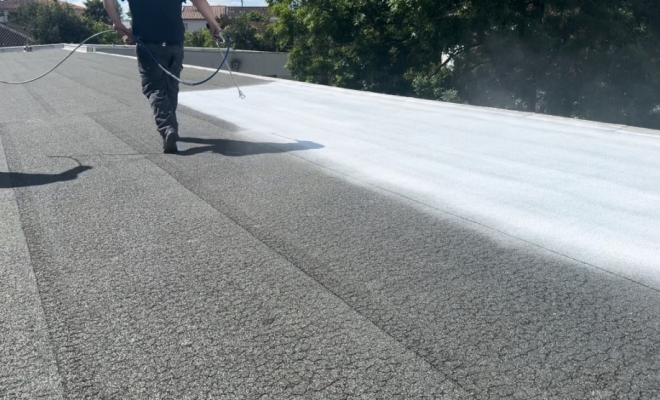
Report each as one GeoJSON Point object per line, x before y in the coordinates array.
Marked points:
{"type": "Point", "coordinates": [175, 67]}
{"type": "Point", "coordinates": [160, 89]}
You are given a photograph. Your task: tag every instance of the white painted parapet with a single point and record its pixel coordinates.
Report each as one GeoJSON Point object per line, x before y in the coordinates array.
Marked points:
{"type": "Point", "coordinates": [261, 63]}
{"type": "Point", "coordinates": [34, 48]}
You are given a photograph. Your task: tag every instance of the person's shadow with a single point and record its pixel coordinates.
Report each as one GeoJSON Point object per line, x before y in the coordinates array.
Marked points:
{"type": "Point", "coordinates": [238, 148]}
{"type": "Point", "coordinates": [10, 180]}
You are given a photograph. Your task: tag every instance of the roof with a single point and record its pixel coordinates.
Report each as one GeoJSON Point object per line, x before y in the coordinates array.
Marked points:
{"type": "Point", "coordinates": [77, 8]}
{"type": "Point", "coordinates": [16, 27]}
{"type": "Point", "coordinates": [11, 4]}
{"type": "Point", "coordinates": [10, 37]}
{"type": "Point", "coordinates": [190, 12]}
{"type": "Point", "coordinates": [74, 6]}
{"type": "Point", "coordinates": [380, 261]}
{"type": "Point", "coordinates": [14, 4]}
{"type": "Point", "coordinates": [237, 11]}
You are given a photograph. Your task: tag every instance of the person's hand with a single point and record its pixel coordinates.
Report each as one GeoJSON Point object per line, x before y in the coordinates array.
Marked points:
{"type": "Point", "coordinates": [216, 32]}
{"type": "Point", "coordinates": [124, 32]}
{"type": "Point", "coordinates": [128, 40]}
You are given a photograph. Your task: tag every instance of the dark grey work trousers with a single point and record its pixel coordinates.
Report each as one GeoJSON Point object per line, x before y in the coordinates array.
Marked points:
{"type": "Point", "coordinates": [161, 89]}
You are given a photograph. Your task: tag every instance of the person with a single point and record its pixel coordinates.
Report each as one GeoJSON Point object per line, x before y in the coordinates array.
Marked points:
{"type": "Point", "coordinates": [158, 24]}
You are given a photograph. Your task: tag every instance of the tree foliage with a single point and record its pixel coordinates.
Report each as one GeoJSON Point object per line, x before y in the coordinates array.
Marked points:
{"type": "Point", "coordinates": [108, 38]}
{"type": "Point", "coordinates": [199, 38]}
{"type": "Point", "coordinates": [52, 22]}
{"type": "Point", "coordinates": [95, 11]}
{"type": "Point", "coordinates": [250, 31]}
{"type": "Point", "coordinates": [594, 59]}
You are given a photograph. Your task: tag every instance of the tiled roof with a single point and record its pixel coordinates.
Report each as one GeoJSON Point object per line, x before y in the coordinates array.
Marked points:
{"type": "Point", "coordinates": [75, 7]}
{"type": "Point", "coordinates": [11, 4]}
{"type": "Point", "coordinates": [16, 27]}
{"type": "Point", "coordinates": [190, 12]}
{"type": "Point", "coordinates": [237, 11]}
{"type": "Point", "coordinates": [14, 4]}
{"type": "Point", "coordinates": [10, 37]}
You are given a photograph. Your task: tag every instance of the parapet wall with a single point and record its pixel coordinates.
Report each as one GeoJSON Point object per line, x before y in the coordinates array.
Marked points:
{"type": "Point", "coordinates": [34, 48]}
{"type": "Point", "coordinates": [249, 62]}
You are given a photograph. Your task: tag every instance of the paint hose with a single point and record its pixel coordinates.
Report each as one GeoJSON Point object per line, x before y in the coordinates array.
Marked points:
{"type": "Point", "coordinates": [138, 41]}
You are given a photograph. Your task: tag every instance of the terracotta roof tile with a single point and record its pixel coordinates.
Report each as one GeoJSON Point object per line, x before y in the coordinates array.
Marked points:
{"type": "Point", "coordinates": [9, 37]}
{"type": "Point", "coordinates": [11, 4]}
{"type": "Point", "coordinates": [237, 11]}
{"type": "Point", "coordinates": [190, 12]}
{"type": "Point", "coordinates": [14, 4]}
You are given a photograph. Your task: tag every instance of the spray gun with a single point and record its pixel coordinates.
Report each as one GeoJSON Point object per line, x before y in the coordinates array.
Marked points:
{"type": "Point", "coordinates": [220, 38]}
{"type": "Point", "coordinates": [220, 34]}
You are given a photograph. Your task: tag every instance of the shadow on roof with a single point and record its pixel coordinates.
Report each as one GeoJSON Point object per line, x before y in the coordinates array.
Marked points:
{"type": "Point", "coordinates": [19, 179]}
{"type": "Point", "coordinates": [239, 148]}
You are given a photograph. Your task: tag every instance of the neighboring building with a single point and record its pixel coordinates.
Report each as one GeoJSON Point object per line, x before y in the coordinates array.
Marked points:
{"type": "Point", "coordinates": [78, 9]}
{"type": "Point", "coordinates": [233, 12]}
{"type": "Point", "coordinates": [193, 20]}
{"type": "Point", "coordinates": [10, 37]}
{"type": "Point", "coordinates": [9, 5]}
{"type": "Point", "coordinates": [12, 34]}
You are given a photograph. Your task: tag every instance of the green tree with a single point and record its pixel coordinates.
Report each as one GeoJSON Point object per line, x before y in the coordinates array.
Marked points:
{"type": "Point", "coordinates": [579, 58]}
{"type": "Point", "coordinates": [250, 31]}
{"type": "Point", "coordinates": [245, 31]}
{"type": "Point", "coordinates": [594, 59]}
{"type": "Point", "coordinates": [95, 11]}
{"type": "Point", "coordinates": [108, 38]}
{"type": "Point", "coordinates": [52, 22]}
{"type": "Point", "coordinates": [360, 44]}
{"type": "Point", "coordinates": [199, 38]}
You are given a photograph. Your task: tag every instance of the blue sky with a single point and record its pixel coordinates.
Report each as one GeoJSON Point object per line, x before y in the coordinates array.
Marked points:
{"type": "Point", "coordinates": [212, 2]}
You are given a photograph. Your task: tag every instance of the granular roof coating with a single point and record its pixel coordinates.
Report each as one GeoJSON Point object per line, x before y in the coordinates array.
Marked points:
{"type": "Point", "coordinates": [264, 260]}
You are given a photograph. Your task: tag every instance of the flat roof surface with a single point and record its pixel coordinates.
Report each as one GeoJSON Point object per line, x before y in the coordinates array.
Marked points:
{"type": "Point", "coordinates": [318, 243]}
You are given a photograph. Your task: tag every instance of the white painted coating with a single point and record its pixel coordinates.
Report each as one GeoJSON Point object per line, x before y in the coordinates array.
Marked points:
{"type": "Point", "coordinates": [586, 190]}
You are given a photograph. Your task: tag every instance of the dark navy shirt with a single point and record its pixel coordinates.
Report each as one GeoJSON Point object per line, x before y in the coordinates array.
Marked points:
{"type": "Point", "coordinates": [157, 20]}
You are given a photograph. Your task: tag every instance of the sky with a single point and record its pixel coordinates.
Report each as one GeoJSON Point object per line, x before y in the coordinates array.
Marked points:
{"type": "Point", "coordinates": [212, 2]}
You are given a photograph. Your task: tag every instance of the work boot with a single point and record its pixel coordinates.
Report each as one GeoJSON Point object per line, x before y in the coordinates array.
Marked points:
{"type": "Point", "coordinates": [169, 142]}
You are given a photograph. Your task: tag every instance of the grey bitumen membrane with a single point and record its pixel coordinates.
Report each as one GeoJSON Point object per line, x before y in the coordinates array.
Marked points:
{"type": "Point", "coordinates": [246, 272]}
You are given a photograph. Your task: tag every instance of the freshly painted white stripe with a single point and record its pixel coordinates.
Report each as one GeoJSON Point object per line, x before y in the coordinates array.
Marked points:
{"type": "Point", "coordinates": [587, 190]}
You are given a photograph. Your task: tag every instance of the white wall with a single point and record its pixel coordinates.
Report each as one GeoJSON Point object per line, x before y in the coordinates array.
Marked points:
{"type": "Point", "coordinates": [250, 62]}
{"type": "Point", "coordinates": [34, 48]}
{"type": "Point", "coordinates": [194, 24]}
